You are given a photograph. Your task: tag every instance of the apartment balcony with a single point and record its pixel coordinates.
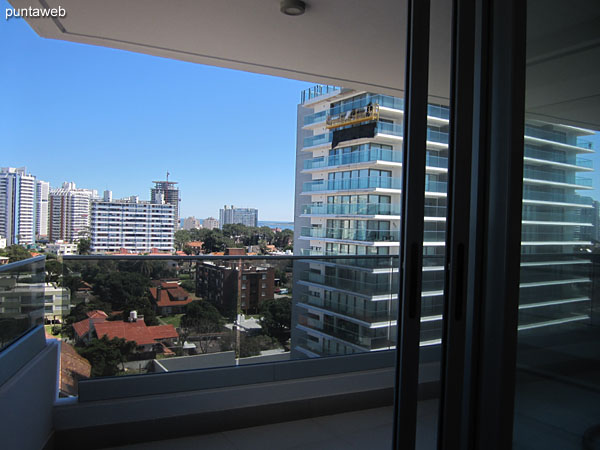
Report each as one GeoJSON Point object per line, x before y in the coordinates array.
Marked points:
{"type": "Point", "coordinates": [367, 315]}
{"type": "Point", "coordinates": [385, 131]}
{"type": "Point", "coordinates": [366, 235]}
{"type": "Point", "coordinates": [392, 106]}
{"type": "Point", "coordinates": [354, 337]}
{"type": "Point", "coordinates": [556, 199]}
{"type": "Point", "coordinates": [375, 156]}
{"type": "Point", "coordinates": [316, 92]}
{"type": "Point", "coordinates": [557, 158]}
{"type": "Point", "coordinates": [353, 209]}
{"type": "Point", "coordinates": [533, 175]}
{"type": "Point", "coordinates": [568, 217]}
{"type": "Point", "coordinates": [557, 140]}
{"type": "Point", "coordinates": [369, 184]}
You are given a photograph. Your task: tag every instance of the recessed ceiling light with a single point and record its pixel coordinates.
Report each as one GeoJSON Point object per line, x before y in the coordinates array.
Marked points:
{"type": "Point", "coordinates": [293, 7]}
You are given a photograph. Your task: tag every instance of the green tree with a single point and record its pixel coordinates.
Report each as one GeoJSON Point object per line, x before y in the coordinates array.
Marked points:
{"type": "Point", "coordinates": [189, 286]}
{"type": "Point", "coordinates": [182, 237]}
{"type": "Point", "coordinates": [84, 246]}
{"type": "Point", "coordinates": [276, 318]}
{"type": "Point", "coordinates": [54, 270]}
{"type": "Point", "coordinates": [105, 355]}
{"type": "Point", "coordinates": [16, 253]}
{"type": "Point", "coordinates": [203, 319]}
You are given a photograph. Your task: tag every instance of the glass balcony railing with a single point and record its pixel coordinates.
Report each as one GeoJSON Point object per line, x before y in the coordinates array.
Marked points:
{"type": "Point", "coordinates": [351, 234]}
{"type": "Point", "coordinates": [393, 129]}
{"type": "Point", "coordinates": [354, 234]}
{"type": "Point", "coordinates": [352, 184]}
{"type": "Point", "coordinates": [345, 259]}
{"type": "Point", "coordinates": [541, 236]}
{"type": "Point", "coordinates": [357, 209]}
{"type": "Point", "coordinates": [559, 157]}
{"type": "Point", "coordinates": [318, 117]}
{"type": "Point", "coordinates": [374, 154]}
{"type": "Point", "coordinates": [557, 137]}
{"type": "Point", "coordinates": [208, 308]}
{"type": "Point", "coordinates": [437, 136]}
{"type": "Point", "coordinates": [559, 216]}
{"type": "Point", "coordinates": [545, 175]}
{"type": "Point", "coordinates": [557, 197]}
{"type": "Point", "coordinates": [368, 183]}
{"type": "Point", "coordinates": [317, 91]}
{"type": "Point", "coordinates": [21, 298]}
{"type": "Point", "coordinates": [369, 312]}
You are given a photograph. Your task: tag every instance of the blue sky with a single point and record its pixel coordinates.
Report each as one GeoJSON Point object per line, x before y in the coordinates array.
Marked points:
{"type": "Point", "coordinates": [109, 119]}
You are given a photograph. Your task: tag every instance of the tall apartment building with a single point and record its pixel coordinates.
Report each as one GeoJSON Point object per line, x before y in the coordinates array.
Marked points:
{"type": "Point", "coordinates": [42, 217]}
{"type": "Point", "coordinates": [348, 186]}
{"type": "Point", "coordinates": [231, 285]}
{"type": "Point", "coordinates": [190, 223]}
{"type": "Point", "coordinates": [209, 223]}
{"type": "Point", "coordinates": [131, 224]}
{"type": "Point", "coordinates": [70, 212]}
{"type": "Point", "coordinates": [17, 206]}
{"type": "Point", "coordinates": [244, 216]}
{"type": "Point", "coordinates": [167, 192]}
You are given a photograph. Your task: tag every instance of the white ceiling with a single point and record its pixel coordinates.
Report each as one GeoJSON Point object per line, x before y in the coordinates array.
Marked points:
{"type": "Point", "coordinates": [352, 43]}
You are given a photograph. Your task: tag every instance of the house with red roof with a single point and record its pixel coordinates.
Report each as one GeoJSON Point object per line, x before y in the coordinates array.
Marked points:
{"type": "Point", "coordinates": [169, 298]}
{"type": "Point", "coordinates": [195, 247]}
{"type": "Point", "coordinates": [147, 338]}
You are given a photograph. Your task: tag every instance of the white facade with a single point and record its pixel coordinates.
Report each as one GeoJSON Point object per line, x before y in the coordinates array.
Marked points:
{"type": "Point", "coordinates": [244, 216]}
{"type": "Point", "coordinates": [131, 224]}
{"type": "Point", "coordinates": [348, 203]}
{"type": "Point", "coordinates": [70, 212]}
{"type": "Point", "coordinates": [189, 223]}
{"type": "Point", "coordinates": [209, 223]}
{"type": "Point", "coordinates": [17, 205]}
{"type": "Point", "coordinates": [56, 303]}
{"type": "Point", "coordinates": [42, 217]}
{"type": "Point", "coordinates": [62, 248]}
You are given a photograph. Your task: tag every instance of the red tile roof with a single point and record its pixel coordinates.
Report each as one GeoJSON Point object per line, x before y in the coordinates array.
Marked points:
{"type": "Point", "coordinates": [96, 314]}
{"type": "Point", "coordinates": [73, 367]}
{"type": "Point", "coordinates": [171, 294]}
{"type": "Point", "coordinates": [81, 327]}
{"type": "Point", "coordinates": [195, 244]}
{"type": "Point", "coordinates": [135, 331]}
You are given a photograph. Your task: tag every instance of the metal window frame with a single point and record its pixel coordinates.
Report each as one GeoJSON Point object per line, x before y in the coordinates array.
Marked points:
{"type": "Point", "coordinates": [411, 227]}
{"type": "Point", "coordinates": [483, 246]}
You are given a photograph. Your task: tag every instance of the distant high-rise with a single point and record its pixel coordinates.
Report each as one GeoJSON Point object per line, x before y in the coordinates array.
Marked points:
{"type": "Point", "coordinates": [168, 192]}
{"type": "Point", "coordinates": [131, 224]}
{"type": "Point", "coordinates": [244, 216]}
{"type": "Point", "coordinates": [42, 218]}
{"type": "Point", "coordinates": [209, 223]}
{"type": "Point", "coordinates": [190, 223]}
{"type": "Point", "coordinates": [70, 212]}
{"type": "Point", "coordinates": [17, 206]}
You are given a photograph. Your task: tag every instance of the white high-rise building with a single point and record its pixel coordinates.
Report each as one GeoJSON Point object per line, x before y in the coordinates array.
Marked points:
{"type": "Point", "coordinates": [209, 223]}
{"type": "Point", "coordinates": [131, 224]}
{"type": "Point", "coordinates": [190, 223]}
{"type": "Point", "coordinates": [42, 218]}
{"type": "Point", "coordinates": [244, 216]}
{"type": "Point", "coordinates": [17, 206]}
{"type": "Point", "coordinates": [70, 212]}
{"type": "Point", "coordinates": [348, 186]}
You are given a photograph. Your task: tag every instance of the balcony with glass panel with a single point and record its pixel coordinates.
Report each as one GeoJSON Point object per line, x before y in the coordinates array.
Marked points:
{"type": "Point", "coordinates": [552, 138]}
{"type": "Point", "coordinates": [392, 132]}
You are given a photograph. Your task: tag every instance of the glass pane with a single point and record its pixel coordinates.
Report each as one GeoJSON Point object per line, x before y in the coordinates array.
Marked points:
{"type": "Point", "coordinates": [557, 402]}
{"type": "Point", "coordinates": [22, 300]}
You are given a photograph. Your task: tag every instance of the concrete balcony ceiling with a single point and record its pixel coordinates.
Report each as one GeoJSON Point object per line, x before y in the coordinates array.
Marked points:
{"type": "Point", "coordinates": [325, 43]}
